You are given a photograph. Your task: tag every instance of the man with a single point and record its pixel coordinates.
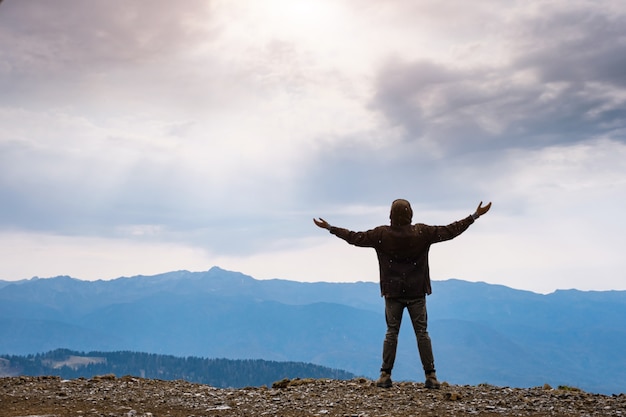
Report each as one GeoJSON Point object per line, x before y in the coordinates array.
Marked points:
{"type": "Point", "coordinates": [402, 251]}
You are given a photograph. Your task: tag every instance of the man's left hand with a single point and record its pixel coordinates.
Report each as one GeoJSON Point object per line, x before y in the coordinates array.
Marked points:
{"type": "Point", "coordinates": [322, 223]}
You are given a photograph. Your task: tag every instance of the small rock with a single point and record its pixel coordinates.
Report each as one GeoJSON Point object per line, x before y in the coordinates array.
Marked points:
{"type": "Point", "coordinates": [452, 396]}
{"type": "Point", "coordinates": [283, 383]}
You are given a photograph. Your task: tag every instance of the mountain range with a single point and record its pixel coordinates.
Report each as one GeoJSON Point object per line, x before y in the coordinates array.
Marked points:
{"type": "Point", "coordinates": [481, 333]}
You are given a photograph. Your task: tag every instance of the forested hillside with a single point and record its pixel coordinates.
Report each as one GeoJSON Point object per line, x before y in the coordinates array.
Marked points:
{"type": "Point", "coordinates": [221, 373]}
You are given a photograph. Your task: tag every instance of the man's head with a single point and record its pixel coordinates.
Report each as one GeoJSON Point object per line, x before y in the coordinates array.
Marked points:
{"type": "Point", "coordinates": [401, 213]}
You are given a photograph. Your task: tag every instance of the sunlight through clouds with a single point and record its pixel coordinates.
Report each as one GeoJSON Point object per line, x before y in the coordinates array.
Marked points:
{"type": "Point", "coordinates": [218, 129]}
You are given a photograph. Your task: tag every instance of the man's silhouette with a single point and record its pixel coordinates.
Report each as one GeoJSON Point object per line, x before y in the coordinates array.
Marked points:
{"type": "Point", "coordinates": [402, 250]}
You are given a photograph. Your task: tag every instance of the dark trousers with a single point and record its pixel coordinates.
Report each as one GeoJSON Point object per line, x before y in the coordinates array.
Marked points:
{"type": "Point", "coordinates": [394, 308]}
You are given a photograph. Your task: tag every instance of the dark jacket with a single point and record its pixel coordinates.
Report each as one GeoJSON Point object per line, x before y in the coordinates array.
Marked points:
{"type": "Point", "coordinates": [403, 253]}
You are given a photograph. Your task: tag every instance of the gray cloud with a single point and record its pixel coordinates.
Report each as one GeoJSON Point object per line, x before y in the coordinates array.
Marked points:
{"type": "Point", "coordinates": [70, 35]}
{"type": "Point", "coordinates": [565, 83]}
{"type": "Point", "coordinates": [57, 53]}
{"type": "Point", "coordinates": [578, 46]}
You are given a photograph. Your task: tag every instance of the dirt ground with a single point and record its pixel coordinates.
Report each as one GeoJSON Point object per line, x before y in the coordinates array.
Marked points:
{"type": "Point", "coordinates": [108, 396]}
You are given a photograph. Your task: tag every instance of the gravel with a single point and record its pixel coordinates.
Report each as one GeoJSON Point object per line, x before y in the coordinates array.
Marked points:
{"type": "Point", "coordinates": [136, 397]}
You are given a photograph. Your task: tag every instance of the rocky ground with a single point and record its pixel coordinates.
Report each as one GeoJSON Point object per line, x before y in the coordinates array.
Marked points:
{"type": "Point", "coordinates": [135, 397]}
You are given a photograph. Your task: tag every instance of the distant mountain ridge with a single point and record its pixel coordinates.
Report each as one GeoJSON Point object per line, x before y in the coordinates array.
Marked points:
{"type": "Point", "coordinates": [481, 333]}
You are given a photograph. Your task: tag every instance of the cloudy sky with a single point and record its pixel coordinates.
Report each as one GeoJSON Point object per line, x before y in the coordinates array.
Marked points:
{"type": "Point", "coordinates": [149, 136]}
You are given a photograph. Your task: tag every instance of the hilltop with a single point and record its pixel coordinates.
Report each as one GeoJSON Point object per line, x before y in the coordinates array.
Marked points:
{"type": "Point", "coordinates": [128, 396]}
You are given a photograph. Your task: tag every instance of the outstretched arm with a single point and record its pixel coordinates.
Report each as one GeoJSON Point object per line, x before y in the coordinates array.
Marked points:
{"type": "Point", "coordinates": [322, 223]}
{"type": "Point", "coordinates": [367, 239]}
{"type": "Point", "coordinates": [480, 210]}
{"type": "Point", "coordinates": [442, 233]}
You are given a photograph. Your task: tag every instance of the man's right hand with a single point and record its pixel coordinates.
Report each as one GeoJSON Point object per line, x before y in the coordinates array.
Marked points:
{"type": "Point", "coordinates": [480, 210]}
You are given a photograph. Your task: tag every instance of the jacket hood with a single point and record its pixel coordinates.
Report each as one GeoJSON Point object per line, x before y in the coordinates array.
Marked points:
{"type": "Point", "coordinates": [401, 213]}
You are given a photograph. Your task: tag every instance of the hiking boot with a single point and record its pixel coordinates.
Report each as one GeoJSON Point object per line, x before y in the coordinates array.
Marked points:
{"type": "Point", "coordinates": [384, 381]}
{"type": "Point", "coordinates": [431, 381]}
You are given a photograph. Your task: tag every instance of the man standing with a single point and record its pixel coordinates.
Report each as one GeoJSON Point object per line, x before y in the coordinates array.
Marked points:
{"type": "Point", "coordinates": [402, 251]}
